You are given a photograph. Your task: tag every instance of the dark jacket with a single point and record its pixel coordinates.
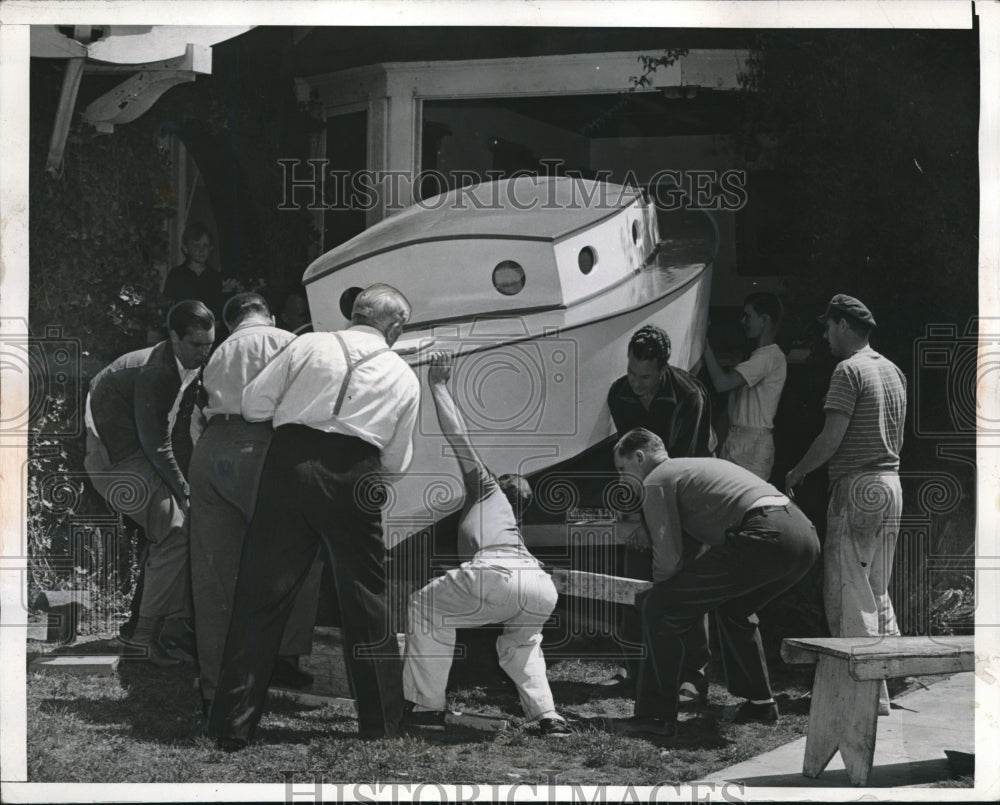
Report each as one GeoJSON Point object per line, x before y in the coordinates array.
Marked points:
{"type": "Point", "coordinates": [130, 400]}
{"type": "Point", "coordinates": [680, 414]}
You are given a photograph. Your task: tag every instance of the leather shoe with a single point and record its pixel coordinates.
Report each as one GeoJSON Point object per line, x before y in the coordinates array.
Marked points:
{"type": "Point", "coordinates": [693, 694]}
{"type": "Point", "coordinates": [555, 727]}
{"type": "Point", "coordinates": [619, 683]}
{"type": "Point", "coordinates": [764, 713]}
{"type": "Point", "coordinates": [422, 719]}
{"type": "Point", "coordinates": [231, 744]}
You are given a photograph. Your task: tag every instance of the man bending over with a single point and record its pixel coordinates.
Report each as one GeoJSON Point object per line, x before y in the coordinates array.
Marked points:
{"type": "Point", "coordinates": [501, 582]}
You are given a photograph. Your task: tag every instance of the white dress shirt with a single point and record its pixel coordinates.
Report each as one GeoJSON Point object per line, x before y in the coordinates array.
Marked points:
{"type": "Point", "coordinates": [302, 386]}
{"type": "Point", "coordinates": [237, 361]}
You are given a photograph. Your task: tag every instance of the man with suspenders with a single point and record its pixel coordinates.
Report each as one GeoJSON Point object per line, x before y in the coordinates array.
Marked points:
{"type": "Point", "coordinates": [344, 407]}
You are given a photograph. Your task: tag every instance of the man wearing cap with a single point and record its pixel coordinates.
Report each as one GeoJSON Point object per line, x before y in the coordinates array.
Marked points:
{"type": "Point", "coordinates": [861, 439]}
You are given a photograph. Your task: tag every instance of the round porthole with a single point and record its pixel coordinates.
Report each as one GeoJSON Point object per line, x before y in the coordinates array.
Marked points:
{"type": "Point", "coordinates": [587, 259]}
{"type": "Point", "coordinates": [635, 231]}
{"type": "Point", "coordinates": [347, 301]}
{"type": "Point", "coordinates": [508, 277]}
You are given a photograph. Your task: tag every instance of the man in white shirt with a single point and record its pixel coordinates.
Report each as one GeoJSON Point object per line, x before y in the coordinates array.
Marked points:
{"type": "Point", "coordinates": [344, 407]}
{"type": "Point", "coordinates": [754, 387]}
{"type": "Point", "coordinates": [500, 582]}
{"type": "Point", "coordinates": [225, 472]}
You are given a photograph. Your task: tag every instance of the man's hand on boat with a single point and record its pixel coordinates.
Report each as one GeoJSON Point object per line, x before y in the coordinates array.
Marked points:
{"type": "Point", "coordinates": [440, 367]}
{"type": "Point", "coordinates": [406, 351]}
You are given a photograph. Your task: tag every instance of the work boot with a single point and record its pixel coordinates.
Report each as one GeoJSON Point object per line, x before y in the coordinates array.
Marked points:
{"type": "Point", "coordinates": [765, 713]}
{"type": "Point", "coordinates": [145, 637]}
{"type": "Point", "coordinates": [177, 639]}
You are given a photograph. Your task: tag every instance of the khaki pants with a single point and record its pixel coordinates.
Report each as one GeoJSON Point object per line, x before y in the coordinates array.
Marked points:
{"type": "Point", "coordinates": [133, 488]}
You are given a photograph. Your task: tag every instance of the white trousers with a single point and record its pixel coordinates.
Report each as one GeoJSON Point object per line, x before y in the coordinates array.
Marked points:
{"type": "Point", "coordinates": [862, 524]}
{"type": "Point", "coordinates": [751, 448]}
{"type": "Point", "coordinates": [520, 597]}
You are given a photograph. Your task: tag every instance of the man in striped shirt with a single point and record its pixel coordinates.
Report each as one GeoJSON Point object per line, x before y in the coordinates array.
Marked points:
{"type": "Point", "coordinates": [861, 439]}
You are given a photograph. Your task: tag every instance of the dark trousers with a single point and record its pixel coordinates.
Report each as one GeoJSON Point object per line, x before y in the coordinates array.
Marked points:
{"type": "Point", "coordinates": [318, 492]}
{"type": "Point", "coordinates": [639, 565]}
{"type": "Point", "coordinates": [761, 559]}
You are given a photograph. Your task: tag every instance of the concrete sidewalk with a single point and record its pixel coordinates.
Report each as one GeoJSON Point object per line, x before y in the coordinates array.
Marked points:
{"type": "Point", "coordinates": [909, 747]}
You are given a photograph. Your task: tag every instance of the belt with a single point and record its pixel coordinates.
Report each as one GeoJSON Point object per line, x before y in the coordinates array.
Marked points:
{"type": "Point", "coordinates": [224, 417]}
{"type": "Point", "coordinates": [764, 510]}
{"type": "Point", "coordinates": [756, 511]}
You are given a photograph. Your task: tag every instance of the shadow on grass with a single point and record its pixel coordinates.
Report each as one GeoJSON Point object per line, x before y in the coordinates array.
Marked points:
{"type": "Point", "coordinates": [163, 705]}
{"type": "Point", "coordinates": [584, 692]}
{"type": "Point", "coordinates": [696, 733]}
{"type": "Point", "coordinates": [455, 735]}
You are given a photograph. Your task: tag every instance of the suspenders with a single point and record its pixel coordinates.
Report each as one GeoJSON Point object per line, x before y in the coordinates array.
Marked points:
{"type": "Point", "coordinates": [350, 370]}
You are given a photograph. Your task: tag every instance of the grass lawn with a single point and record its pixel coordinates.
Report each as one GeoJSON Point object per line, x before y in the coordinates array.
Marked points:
{"type": "Point", "coordinates": [143, 725]}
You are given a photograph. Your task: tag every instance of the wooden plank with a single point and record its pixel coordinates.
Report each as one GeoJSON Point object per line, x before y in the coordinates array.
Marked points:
{"type": "Point", "coordinates": [795, 654]}
{"type": "Point", "coordinates": [309, 698]}
{"type": "Point", "coordinates": [863, 668]}
{"type": "Point", "coordinates": [476, 721]}
{"type": "Point", "coordinates": [90, 665]}
{"type": "Point", "coordinates": [616, 589]}
{"type": "Point", "coordinates": [878, 647]}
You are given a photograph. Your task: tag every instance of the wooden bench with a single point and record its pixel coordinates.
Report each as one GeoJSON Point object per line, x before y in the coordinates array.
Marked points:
{"type": "Point", "coordinates": [844, 710]}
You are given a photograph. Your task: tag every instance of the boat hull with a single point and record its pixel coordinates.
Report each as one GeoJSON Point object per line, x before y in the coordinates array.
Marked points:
{"type": "Point", "coordinates": [533, 389]}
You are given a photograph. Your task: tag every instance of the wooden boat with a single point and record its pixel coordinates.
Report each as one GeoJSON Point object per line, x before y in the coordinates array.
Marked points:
{"type": "Point", "coordinates": [536, 284]}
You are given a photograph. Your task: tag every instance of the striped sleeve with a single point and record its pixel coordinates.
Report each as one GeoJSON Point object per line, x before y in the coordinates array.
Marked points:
{"type": "Point", "coordinates": [843, 393]}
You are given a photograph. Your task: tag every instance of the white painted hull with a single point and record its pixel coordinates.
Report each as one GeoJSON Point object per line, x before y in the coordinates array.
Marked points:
{"type": "Point", "coordinates": [533, 389]}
